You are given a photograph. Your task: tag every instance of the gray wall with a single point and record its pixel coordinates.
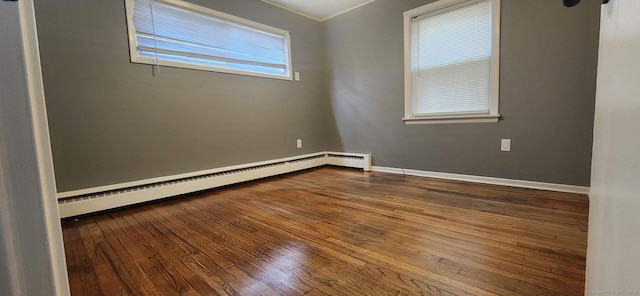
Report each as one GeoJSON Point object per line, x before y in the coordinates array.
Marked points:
{"type": "Point", "coordinates": [111, 121]}
{"type": "Point", "coordinates": [547, 93]}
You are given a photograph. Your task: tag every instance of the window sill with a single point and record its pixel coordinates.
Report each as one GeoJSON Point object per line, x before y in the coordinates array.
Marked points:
{"type": "Point", "coordinates": [484, 118]}
{"type": "Point", "coordinates": [180, 65]}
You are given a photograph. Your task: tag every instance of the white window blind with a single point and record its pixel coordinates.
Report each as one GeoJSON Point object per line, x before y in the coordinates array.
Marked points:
{"type": "Point", "coordinates": [176, 33]}
{"type": "Point", "coordinates": [450, 60]}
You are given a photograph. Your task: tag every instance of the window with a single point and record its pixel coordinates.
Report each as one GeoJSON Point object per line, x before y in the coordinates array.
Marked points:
{"type": "Point", "coordinates": [179, 34]}
{"type": "Point", "coordinates": [452, 62]}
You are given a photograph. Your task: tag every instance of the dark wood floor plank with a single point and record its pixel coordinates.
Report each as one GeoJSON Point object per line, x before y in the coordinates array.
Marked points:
{"type": "Point", "coordinates": [353, 252]}
{"type": "Point", "coordinates": [167, 277]}
{"type": "Point", "coordinates": [334, 231]}
{"type": "Point", "coordinates": [195, 211]}
{"type": "Point", "coordinates": [202, 263]}
{"type": "Point", "coordinates": [109, 280]}
{"type": "Point", "coordinates": [123, 263]}
{"type": "Point", "coordinates": [246, 249]}
{"type": "Point", "coordinates": [86, 282]}
{"type": "Point", "coordinates": [459, 213]}
{"type": "Point", "coordinates": [370, 222]}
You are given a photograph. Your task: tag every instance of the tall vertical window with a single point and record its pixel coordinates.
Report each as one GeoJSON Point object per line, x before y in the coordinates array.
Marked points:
{"type": "Point", "coordinates": [179, 34]}
{"type": "Point", "coordinates": [452, 62]}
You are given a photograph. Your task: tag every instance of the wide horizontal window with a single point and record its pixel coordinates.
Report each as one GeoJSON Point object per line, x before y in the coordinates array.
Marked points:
{"type": "Point", "coordinates": [451, 62]}
{"type": "Point", "coordinates": [180, 34]}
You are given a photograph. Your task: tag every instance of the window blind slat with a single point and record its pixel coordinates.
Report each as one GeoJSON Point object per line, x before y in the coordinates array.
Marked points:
{"type": "Point", "coordinates": [450, 61]}
{"type": "Point", "coordinates": [182, 35]}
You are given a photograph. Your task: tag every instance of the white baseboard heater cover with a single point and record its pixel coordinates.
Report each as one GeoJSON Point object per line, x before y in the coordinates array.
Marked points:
{"type": "Point", "coordinates": [79, 202]}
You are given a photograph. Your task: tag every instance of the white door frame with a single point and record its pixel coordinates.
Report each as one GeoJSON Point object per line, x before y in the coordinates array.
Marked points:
{"type": "Point", "coordinates": [27, 181]}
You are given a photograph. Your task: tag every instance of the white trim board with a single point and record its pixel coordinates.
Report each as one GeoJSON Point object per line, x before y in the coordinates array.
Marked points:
{"type": "Point", "coordinates": [307, 15]}
{"type": "Point", "coordinates": [84, 201]}
{"type": "Point", "coordinates": [67, 194]}
{"type": "Point", "coordinates": [485, 180]}
{"type": "Point", "coordinates": [89, 200]}
{"type": "Point", "coordinates": [86, 191]}
{"type": "Point", "coordinates": [54, 240]}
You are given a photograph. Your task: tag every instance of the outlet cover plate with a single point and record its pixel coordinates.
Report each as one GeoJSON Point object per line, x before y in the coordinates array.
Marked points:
{"type": "Point", "coordinates": [505, 145]}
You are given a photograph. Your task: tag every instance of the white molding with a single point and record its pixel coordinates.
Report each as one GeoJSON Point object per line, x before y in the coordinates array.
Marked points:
{"type": "Point", "coordinates": [345, 11]}
{"type": "Point", "coordinates": [44, 156]}
{"type": "Point", "coordinates": [387, 170]}
{"type": "Point", "coordinates": [76, 208]}
{"type": "Point", "coordinates": [312, 17]}
{"type": "Point", "coordinates": [127, 194]}
{"type": "Point", "coordinates": [494, 88]}
{"type": "Point", "coordinates": [117, 186]}
{"type": "Point", "coordinates": [486, 180]}
{"type": "Point", "coordinates": [91, 190]}
{"type": "Point", "coordinates": [292, 10]}
{"type": "Point", "coordinates": [494, 75]}
{"type": "Point", "coordinates": [135, 58]}
{"type": "Point", "coordinates": [365, 164]}
{"type": "Point", "coordinates": [453, 119]}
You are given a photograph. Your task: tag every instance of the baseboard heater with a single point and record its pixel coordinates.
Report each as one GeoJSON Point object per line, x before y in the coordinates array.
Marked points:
{"type": "Point", "coordinates": [84, 201]}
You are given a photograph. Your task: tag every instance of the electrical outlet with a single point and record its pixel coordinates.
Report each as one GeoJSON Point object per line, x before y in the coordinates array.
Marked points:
{"type": "Point", "coordinates": [299, 143]}
{"type": "Point", "coordinates": [296, 76]}
{"type": "Point", "coordinates": [505, 145]}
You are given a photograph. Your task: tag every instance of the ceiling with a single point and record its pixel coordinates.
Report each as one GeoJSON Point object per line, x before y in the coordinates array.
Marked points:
{"type": "Point", "coordinates": [319, 10]}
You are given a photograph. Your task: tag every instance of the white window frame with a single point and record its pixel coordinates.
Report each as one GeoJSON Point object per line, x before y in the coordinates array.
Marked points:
{"type": "Point", "coordinates": [135, 58]}
{"type": "Point", "coordinates": [494, 75]}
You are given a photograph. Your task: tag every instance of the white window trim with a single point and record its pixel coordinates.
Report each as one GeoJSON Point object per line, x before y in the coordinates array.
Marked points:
{"type": "Point", "coordinates": [494, 75]}
{"type": "Point", "coordinates": [135, 58]}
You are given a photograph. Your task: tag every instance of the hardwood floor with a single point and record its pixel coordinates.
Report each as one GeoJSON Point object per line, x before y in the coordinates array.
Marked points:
{"type": "Point", "coordinates": [334, 231]}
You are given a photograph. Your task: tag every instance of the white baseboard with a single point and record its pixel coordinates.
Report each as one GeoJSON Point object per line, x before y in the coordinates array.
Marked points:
{"type": "Point", "coordinates": [485, 180]}
{"type": "Point", "coordinates": [361, 161]}
{"type": "Point", "coordinates": [89, 200]}
{"type": "Point", "coordinates": [86, 191]}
